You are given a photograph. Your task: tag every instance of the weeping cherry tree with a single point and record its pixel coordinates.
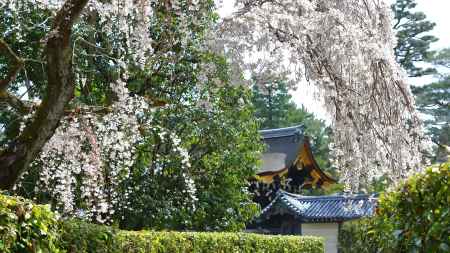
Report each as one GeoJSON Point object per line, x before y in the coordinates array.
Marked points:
{"type": "Point", "coordinates": [345, 49]}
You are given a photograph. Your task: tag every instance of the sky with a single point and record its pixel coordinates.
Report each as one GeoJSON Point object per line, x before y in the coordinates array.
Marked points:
{"type": "Point", "coordinates": [437, 11]}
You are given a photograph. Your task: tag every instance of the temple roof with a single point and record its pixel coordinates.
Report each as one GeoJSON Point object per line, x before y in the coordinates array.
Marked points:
{"type": "Point", "coordinates": [329, 208]}
{"type": "Point", "coordinates": [283, 146]}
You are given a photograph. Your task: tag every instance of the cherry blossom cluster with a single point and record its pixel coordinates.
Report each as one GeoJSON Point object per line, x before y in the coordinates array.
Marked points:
{"type": "Point", "coordinates": [128, 20]}
{"type": "Point", "coordinates": [345, 48]}
{"type": "Point", "coordinates": [90, 157]}
{"type": "Point", "coordinates": [177, 156]}
{"type": "Point", "coordinates": [92, 154]}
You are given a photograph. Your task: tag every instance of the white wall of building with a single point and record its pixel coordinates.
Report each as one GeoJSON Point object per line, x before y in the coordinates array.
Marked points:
{"type": "Point", "coordinates": [329, 231]}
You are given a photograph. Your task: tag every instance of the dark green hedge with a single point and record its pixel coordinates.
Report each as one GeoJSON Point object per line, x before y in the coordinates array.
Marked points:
{"type": "Point", "coordinates": [26, 227]}
{"type": "Point", "coordinates": [83, 237]}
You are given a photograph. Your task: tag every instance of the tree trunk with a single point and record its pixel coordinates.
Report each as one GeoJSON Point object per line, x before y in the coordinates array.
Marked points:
{"type": "Point", "coordinates": [61, 84]}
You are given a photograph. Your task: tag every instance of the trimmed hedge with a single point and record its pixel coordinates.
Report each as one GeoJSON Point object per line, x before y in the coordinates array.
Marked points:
{"type": "Point", "coordinates": [26, 227]}
{"type": "Point", "coordinates": [84, 237]}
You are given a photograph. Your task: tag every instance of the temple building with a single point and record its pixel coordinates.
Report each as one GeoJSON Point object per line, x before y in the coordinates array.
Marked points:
{"type": "Point", "coordinates": [287, 164]}
{"type": "Point", "coordinates": [323, 216]}
{"type": "Point", "coordinates": [288, 167]}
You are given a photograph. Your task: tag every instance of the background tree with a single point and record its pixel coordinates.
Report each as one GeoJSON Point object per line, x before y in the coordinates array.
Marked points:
{"type": "Point", "coordinates": [272, 103]}
{"type": "Point", "coordinates": [441, 58]}
{"type": "Point", "coordinates": [434, 101]}
{"type": "Point", "coordinates": [413, 42]}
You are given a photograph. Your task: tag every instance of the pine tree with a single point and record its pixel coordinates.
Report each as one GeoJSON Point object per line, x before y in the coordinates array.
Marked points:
{"type": "Point", "coordinates": [413, 44]}
{"type": "Point", "coordinates": [272, 102]}
{"type": "Point", "coordinates": [434, 101]}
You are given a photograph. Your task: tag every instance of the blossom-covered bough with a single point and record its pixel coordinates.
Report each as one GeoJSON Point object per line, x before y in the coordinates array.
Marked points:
{"type": "Point", "coordinates": [345, 48]}
{"type": "Point", "coordinates": [81, 150]}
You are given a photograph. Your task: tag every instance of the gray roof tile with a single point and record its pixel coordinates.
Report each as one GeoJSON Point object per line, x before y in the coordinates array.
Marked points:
{"type": "Point", "coordinates": [322, 208]}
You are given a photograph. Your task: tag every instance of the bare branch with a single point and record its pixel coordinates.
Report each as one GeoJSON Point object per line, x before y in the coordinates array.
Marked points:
{"type": "Point", "coordinates": [15, 102]}
{"type": "Point", "coordinates": [16, 65]}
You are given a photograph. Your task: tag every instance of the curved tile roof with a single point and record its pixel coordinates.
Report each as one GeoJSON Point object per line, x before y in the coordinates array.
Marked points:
{"type": "Point", "coordinates": [321, 208]}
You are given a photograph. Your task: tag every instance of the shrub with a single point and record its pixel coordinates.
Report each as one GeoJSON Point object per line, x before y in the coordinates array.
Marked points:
{"type": "Point", "coordinates": [413, 218]}
{"type": "Point", "coordinates": [25, 227]}
{"type": "Point", "coordinates": [83, 237]}
{"type": "Point", "coordinates": [360, 236]}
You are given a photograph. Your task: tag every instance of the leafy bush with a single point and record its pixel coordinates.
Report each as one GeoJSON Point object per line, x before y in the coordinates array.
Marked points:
{"type": "Point", "coordinates": [25, 227]}
{"type": "Point", "coordinates": [84, 237]}
{"type": "Point", "coordinates": [359, 236]}
{"type": "Point", "coordinates": [414, 218]}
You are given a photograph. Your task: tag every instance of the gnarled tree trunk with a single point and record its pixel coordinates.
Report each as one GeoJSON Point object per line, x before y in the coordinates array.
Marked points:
{"type": "Point", "coordinates": [61, 84]}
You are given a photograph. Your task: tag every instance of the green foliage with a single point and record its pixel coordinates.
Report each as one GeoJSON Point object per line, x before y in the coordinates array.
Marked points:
{"type": "Point", "coordinates": [84, 237]}
{"type": "Point", "coordinates": [224, 151]}
{"type": "Point", "coordinates": [212, 117]}
{"type": "Point", "coordinates": [26, 227]}
{"type": "Point", "coordinates": [413, 44]}
{"type": "Point", "coordinates": [434, 101]}
{"type": "Point", "coordinates": [414, 218]}
{"type": "Point", "coordinates": [272, 102]}
{"type": "Point", "coordinates": [441, 58]}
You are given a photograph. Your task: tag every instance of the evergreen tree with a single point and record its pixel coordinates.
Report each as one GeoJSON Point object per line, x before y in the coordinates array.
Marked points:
{"type": "Point", "coordinates": [434, 101]}
{"type": "Point", "coordinates": [413, 44]}
{"type": "Point", "coordinates": [441, 58]}
{"type": "Point", "coordinates": [272, 102]}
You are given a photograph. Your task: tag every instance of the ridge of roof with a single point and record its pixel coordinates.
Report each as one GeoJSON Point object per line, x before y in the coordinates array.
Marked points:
{"type": "Point", "coordinates": [325, 197]}
{"type": "Point", "coordinates": [282, 132]}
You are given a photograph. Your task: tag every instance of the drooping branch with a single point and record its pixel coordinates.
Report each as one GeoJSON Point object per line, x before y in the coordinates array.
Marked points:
{"type": "Point", "coordinates": [61, 84]}
{"type": "Point", "coordinates": [345, 49]}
